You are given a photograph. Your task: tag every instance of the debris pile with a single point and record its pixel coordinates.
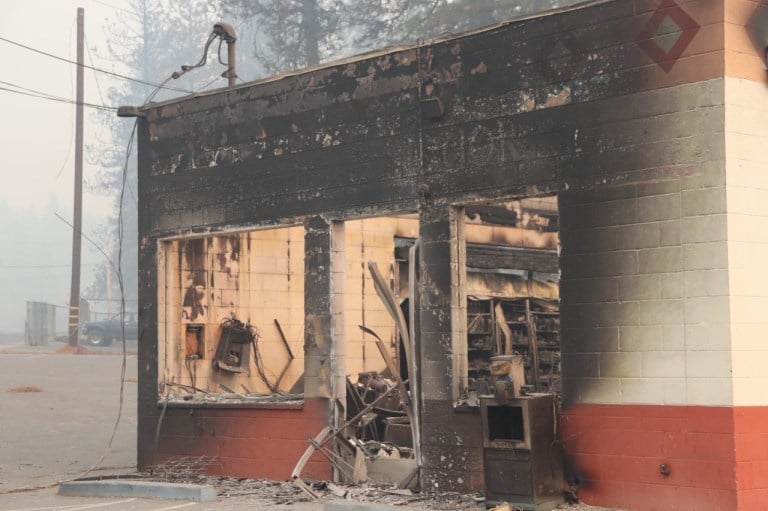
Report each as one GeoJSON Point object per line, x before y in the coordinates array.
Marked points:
{"type": "Point", "coordinates": [378, 442]}
{"type": "Point", "coordinates": [267, 493]}
{"type": "Point", "coordinates": [386, 421]}
{"type": "Point", "coordinates": [375, 443]}
{"type": "Point", "coordinates": [271, 493]}
{"type": "Point", "coordinates": [196, 396]}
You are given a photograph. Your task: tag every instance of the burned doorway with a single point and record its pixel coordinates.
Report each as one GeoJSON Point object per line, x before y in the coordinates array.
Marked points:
{"type": "Point", "coordinates": [376, 301]}
{"type": "Point", "coordinates": [511, 287]}
{"type": "Point", "coordinates": [376, 240]}
{"type": "Point", "coordinates": [233, 324]}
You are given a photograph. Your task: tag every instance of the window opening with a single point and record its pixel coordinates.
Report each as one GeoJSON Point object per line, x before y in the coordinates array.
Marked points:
{"type": "Point", "coordinates": [512, 290]}
{"type": "Point", "coordinates": [234, 318]}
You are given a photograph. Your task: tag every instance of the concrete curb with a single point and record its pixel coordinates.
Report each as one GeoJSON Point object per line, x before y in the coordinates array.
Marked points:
{"type": "Point", "coordinates": [139, 489]}
{"type": "Point", "coordinates": [349, 505]}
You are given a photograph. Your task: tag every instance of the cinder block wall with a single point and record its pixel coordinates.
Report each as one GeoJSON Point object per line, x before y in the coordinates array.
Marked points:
{"type": "Point", "coordinates": [746, 134]}
{"type": "Point", "coordinates": [686, 331]}
{"type": "Point", "coordinates": [646, 343]}
{"type": "Point", "coordinates": [256, 277]}
{"type": "Point", "coordinates": [609, 104]}
{"type": "Point", "coordinates": [369, 240]}
{"type": "Point", "coordinates": [240, 442]}
{"type": "Point", "coordinates": [451, 443]}
{"type": "Point", "coordinates": [268, 283]}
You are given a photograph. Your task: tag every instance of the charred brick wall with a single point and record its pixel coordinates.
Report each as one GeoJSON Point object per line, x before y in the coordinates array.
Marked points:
{"type": "Point", "coordinates": [593, 101]}
{"type": "Point", "coordinates": [317, 308]}
{"type": "Point", "coordinates": [451, 449]}
{"type": "Point", "coordinates": [534, 115]}
{"type": "Point", "coordinates": [248, 442]}
{"type": "Point", "coordinates": [644, 288]}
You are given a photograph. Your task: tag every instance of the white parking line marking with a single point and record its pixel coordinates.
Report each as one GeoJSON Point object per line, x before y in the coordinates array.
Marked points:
{"type": "Point", "coordinates": [176, 507]}
{"type": "Point", "coordinates": [75, 507]}
{"type": "Point", "coordinates": [54, 508]}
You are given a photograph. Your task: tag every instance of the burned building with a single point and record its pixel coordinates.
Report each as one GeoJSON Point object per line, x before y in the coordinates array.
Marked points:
{"type": "Point", "coordinates": [583, 188]}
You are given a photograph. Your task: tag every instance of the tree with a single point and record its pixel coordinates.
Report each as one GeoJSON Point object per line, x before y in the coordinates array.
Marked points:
{"type": "Point", "coordinates": [290, 34]}
{"type": "Point", "coordinates": [462, 15]}
{"type": "Point", "coordinates": [152, 39]}
{"type": "Point", "coordinates": [378, 23]}
{"type": "Point", "coordinates": [139, 39]}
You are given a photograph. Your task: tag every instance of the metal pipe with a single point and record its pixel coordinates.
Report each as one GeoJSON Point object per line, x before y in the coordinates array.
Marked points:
{"type": "Point", "coordinates": [227, 34]}
{"type": "Point", "coordinates": [231, 63]}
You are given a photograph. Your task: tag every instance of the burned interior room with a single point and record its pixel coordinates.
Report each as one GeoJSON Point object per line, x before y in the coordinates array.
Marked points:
{"type": "Point", "coordinates": [512, 293]}
{"type": "Point", "coordinates": [497, 261]}
{"type": "Point", "coordinates": [235, 308]}
{"type": "Point", "coordinates": [235, 316]}
{"type": "Point", "coordinates": [235, 319]}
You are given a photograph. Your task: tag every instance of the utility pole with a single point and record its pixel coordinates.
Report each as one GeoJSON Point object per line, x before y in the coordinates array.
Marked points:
{"type": "Point", "coordinates": [77, 218]}
{"type": "Point", "coordinates": [108, 272]}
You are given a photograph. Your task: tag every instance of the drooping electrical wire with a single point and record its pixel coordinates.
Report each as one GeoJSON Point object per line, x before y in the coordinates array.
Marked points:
{"type": "Point", "coordinates": [32, 91]}
{"type": "Point", "coordinates": [117, 268]}
{"type": "Point", "coordinates": [71, 137]}
{"type": "Point", "coordinates": [119, 272]}
{"type": "Point", "coordinates": [37, 266]}
{"type": "Point", "coordinates": [101, 96]}
{"type": "Point", "coordinates": [104, 71]}
{"type": "Point", "coordinates": [44, 95]}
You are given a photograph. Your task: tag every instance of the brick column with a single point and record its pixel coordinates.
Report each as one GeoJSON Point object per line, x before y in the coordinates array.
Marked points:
{"type": "Point", "coordinates": [147, 410]}
{"type": "Point", "coordinates": [746, 134]}
{"type": "Point", "coordinates": [323, 308]}
{"type": "Point", "coordinates": [451, 442]}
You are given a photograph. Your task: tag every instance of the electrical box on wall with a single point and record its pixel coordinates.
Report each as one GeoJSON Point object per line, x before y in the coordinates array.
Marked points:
{"type": "Point", "coordinates": [522, 459]}
{"type": "Point", "coordinates": [193, 342]}
{"type": "Point", "coordinates": [233, 350]}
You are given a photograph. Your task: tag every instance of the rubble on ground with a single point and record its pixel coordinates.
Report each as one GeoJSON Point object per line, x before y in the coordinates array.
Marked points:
{"type": "Point", "coordinates": [271, 493]}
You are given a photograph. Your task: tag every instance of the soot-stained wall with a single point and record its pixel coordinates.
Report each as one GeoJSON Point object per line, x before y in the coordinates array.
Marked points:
{"type": "Point", "coordinates": [607, 96]}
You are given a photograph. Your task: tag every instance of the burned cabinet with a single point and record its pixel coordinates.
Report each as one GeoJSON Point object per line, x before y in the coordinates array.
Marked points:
{"type": "Point", "coordinates": [545, 320]}
{"type": "Point", "coordinates": [481, 340]}
{"type": "Point", "coordinates": [522, 458]}
{"type": "Point", "coordinates": [505, 326]}
{"type": "Point", "coordinates": [532, 327]}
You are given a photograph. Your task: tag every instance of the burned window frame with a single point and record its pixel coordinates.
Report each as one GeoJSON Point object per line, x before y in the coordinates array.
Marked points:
{"type": "Point", "coordinates": [466, 392]}
{"type": "Point", "coordinates": [181, 358]}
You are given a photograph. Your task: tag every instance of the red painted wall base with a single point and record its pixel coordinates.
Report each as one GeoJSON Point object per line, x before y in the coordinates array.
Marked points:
{"type": "Point", "coordinates": [245, 442]}
{"type": "Point", "coordinates": [751, 438]}
{"type": "Point", "coordinates": [716, 457]}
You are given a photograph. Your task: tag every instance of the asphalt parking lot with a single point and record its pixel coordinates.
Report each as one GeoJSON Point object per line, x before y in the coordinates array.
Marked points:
{"type": "Point", "coordinates": [57, 413]}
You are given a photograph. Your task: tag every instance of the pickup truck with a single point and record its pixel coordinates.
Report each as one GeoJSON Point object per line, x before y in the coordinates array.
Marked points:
{"type": "Point", "coordinates": [103, 332]}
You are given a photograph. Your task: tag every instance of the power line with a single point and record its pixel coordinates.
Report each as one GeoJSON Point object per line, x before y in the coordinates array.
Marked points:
{"type": "Point", "coordinates": [70, 137]}
{"type": "Point", "coordinates": [101, 96]}
{"type": "Point", "coordinates": [38, 266]}
{"type": "Point", "coordinates": [37, 92]}
{"type": "Point", "coordinates": [95, 76]}
{"type": "Point", "coordinates": [109, 299]}
{"type": "Point", "coordinates": [105, 4]}
{"type": "Point", "coordinates": [44, 95]}
{"type": "Point", "coordinates": [116, 75]}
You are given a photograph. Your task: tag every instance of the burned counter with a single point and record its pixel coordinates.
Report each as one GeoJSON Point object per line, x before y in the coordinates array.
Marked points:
{"type": "Point", "coordinates": [522, 456]}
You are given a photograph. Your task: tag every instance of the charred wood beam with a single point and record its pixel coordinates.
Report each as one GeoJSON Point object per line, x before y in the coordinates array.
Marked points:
{"type": "Point", "coordinates": [496, 215]}
{"type": "Point", "coordinates": [494, 257]}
